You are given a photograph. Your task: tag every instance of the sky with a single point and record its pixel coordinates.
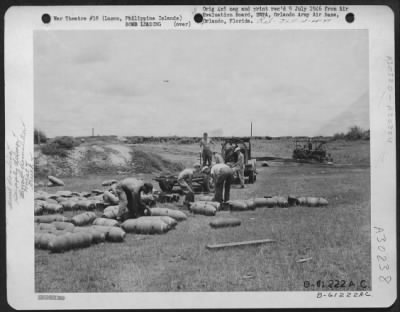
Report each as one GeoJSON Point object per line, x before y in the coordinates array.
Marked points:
{"type": "Point", "coordinates": [159, 83]}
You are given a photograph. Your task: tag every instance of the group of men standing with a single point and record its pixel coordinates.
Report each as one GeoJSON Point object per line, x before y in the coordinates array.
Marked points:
{"type": "Point", "coordinates": [129, 190]}
{"type": "Point", "coordinates": [221, 173]}
{"type": "Point", "coordinates": [206, 152]}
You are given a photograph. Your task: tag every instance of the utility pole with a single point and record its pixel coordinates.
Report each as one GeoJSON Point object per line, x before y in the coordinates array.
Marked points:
{"type": "Point", "coordinates": [92, 132]}
{"type": "Point", "coordinates": [251, 129]}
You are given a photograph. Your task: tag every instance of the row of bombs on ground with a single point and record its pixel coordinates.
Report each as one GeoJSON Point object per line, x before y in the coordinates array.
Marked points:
{"type": "Point", "coordinates": [50, 227]}
{"type": "Point", "coordinates": [69, 201]}
{"type": "Point", "coordinates": [59, 234]}
{"type": "Point", "coordinates": [109, 203]}
{"type": "Point", "coordinates": [53, 181]}
{"type": "Point", "coordinates": [205, 205]}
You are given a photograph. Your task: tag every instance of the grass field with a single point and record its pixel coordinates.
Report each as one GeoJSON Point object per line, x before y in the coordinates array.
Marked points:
{"type": "Point", "coordinates": [337, 237]}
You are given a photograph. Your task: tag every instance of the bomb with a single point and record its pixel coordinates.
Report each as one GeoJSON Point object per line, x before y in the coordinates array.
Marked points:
{"type": "Point", "coordinates": [175, 214]}
{"type": "Point", "coordinates": [145, 226]}
{"type": "Point", "coordinates": [224, 222]}
{"type": "Point", "coordinates": [55, 181]}
{"type": "Point", "coordinates": [111, 212]}
{"type": "Point", "coordinates": [202, 209]}
{"type": "Point", "coordinates": [83, 218]}
{"type": "Point", "coordinates": [105, 222]}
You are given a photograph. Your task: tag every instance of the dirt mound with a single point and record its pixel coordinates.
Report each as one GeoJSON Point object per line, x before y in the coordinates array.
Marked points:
{"type": "Point", "coordinates": [97, 158]}
{"type": "Point", "coordinates": [148, 162]}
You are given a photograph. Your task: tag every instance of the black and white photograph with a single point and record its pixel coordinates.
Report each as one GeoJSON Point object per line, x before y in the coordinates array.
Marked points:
{"type": "Point", "coordinates": [229, 137]}
{"type": "Point", "coordinates": [202, 161]}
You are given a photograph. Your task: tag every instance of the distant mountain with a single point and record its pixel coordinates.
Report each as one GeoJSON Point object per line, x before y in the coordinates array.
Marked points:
{"type": "Point", "coordinates": [357, 114]}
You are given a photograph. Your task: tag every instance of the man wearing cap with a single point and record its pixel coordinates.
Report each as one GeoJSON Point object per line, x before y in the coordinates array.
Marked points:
{"type": "Point", "coordinates": [223, 178]}
{"type": "Point", "coordinates": [129, 192]}
{"type": "Point", "coordinates": [185, 181]}
{"type": "Point", "coordinates": [239, 166]}
{"type": "Point", "coordinates": [206, 152]}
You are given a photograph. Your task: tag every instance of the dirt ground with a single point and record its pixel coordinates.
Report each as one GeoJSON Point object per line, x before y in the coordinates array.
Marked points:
{"type": "Point", "coordinates": [336, 238]}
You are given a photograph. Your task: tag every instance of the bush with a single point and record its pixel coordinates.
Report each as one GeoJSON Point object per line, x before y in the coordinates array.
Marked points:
{"type": "Point", "coordinates": [366, 135]}
{"type": "Point", "coordinates": [339, 136]}
{"type": "Point", "coordinates": [66, 142]}
{"type": "Point", "coordinates": [39, 137]}
{"type": "Point", "coordinates": [54, 149]}
{"type": "Point", "coordinates": [186, 141]}
{"type": "Point", "coordinates": [355, 133]}
{"type": "Point", "coordinates": [60, 146]}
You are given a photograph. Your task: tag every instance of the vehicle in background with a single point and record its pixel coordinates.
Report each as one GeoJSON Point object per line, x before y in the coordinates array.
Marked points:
{"type": "Point", "coordinates": [311, 151]}
{"type": "Point", "coordinates": [230, 157]}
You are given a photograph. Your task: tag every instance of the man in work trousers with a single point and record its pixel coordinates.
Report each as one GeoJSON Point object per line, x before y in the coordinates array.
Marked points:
{"type": "Point", "coordinates": [129, 192]}
{"type": "Point", "coordinates": [185, 182]}
{"type": "Point", "coordinates": [206, 152]}
{"type": "Point", "coordinates": [239, 166]}
{"type": "Point", "coordinates": [223, 178]}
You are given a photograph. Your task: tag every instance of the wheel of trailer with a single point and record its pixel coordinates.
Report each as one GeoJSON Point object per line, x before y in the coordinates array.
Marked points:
{"type": "Point", "coordinates": [211, 185]}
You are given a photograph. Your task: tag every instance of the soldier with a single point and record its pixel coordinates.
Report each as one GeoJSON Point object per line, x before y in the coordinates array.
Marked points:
{"type": "Point", "coordinates": [129, 193]}
{"type": "Point", "coordinates": [223, 178]}
{"type": "Point", "coordinates": [239, 166]}
{"type": "Point", "coordinates": [229, 153]}
{"type": "Point", "coordinates": [206, 152]}
{"type": "Point", "coordinates": [185, 181]}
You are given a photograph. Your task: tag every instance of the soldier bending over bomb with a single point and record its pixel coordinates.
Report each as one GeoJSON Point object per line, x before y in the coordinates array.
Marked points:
{"type": "Point", "coordinates": [223, 178]}
{"type": "Point", "coordinates": [185, 182]}
{"type": "Point", "coordinates": [129, 193]}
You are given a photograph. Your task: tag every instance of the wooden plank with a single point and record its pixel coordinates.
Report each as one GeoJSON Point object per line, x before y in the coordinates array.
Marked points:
{"type": "Point", "coordinates": [244, 243]}
{"type": "Point", "coordinates": [304, 260]}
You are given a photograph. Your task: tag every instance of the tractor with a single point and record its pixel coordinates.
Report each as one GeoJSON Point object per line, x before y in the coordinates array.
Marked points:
{"type": "Point", "coordinates": [306, 151]}
{"type": "Point", "coordinates": [227, 153]}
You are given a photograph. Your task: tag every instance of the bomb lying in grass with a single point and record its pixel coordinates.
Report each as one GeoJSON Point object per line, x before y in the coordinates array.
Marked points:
{"type": "Point", "coordinates": [224, 222]}
{"type": "Point", "coordinates": [175, 214]}
{"type": "Point", "coordinates": [149, 225]}
{"type": "Point", "coordinates": [53, 181]}
{"type": "Point", "coordinates": [280, 201]}
{"type": "Point", "coordinates": [202, 208]}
